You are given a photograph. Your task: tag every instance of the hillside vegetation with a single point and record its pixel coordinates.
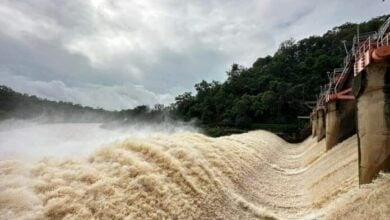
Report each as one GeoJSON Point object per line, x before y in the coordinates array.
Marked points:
{"type": "Point", "coordinates": [271, 93]}
{"type": "Point", "coordinates": [23, 106]}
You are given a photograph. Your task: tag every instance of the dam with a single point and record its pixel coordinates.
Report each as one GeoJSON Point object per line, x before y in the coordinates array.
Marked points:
{"type": "Point", "coordinates": [356, 100]}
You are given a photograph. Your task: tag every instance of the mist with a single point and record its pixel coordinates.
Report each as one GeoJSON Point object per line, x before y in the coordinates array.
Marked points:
{"type": "Point", "coordinates": [35, 139]}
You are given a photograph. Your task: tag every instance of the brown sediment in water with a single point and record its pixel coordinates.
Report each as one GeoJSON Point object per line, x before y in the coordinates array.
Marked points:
{"type": "Point", "coordinates": [190, 176]}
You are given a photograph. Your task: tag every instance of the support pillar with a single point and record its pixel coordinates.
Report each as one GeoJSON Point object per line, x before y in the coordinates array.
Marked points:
{"type": "Point", "coordinates": [373, 105]}
{"type": "Point", "coordinates": [340, 121]}
{"type": "Point", "coordinates": [320, 124]}
{"type": "Point", "coordinates": [313, 124]}
{"type": "Point", "coordinates": [332, 125]}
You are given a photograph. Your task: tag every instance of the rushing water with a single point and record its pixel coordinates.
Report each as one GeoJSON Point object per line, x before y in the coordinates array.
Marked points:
{"type": "Point", "coordinates": [179, 175]}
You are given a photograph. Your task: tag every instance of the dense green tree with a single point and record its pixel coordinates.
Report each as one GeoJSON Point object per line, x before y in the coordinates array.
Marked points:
{"type": "Point", "coordinates": [23, 106]}
{"type": "Point", "coordinates": [273, 90]}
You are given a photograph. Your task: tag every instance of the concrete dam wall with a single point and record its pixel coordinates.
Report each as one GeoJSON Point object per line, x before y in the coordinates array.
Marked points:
{"type": "Point", "coordinates": [373, 111]}
{"type": "Point", "coordinates": [368, 116]}
{"type": "Point", "coordinates": [357, 101]}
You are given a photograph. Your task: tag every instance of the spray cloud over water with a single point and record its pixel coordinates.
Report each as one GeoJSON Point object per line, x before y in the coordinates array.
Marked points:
{"type": "Point", "coordinates": [33, 139]}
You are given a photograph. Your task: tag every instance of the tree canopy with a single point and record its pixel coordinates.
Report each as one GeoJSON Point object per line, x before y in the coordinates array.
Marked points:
{"type": "Point", "coordinates": [273, 90]}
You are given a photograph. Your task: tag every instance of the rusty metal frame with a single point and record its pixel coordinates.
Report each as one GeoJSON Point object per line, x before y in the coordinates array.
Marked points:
{"type": "Point", "coordinates": [343, 95]}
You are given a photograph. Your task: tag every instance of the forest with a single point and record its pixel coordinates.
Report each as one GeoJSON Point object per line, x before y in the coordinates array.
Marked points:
{"type": "Point", "coordinates": [271, 94]}
{"type": "Point", "coordinates": [24, 106]}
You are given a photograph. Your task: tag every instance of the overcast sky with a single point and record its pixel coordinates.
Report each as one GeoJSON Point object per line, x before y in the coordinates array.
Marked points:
{"type": "Point", "coordinates": [118, 54]}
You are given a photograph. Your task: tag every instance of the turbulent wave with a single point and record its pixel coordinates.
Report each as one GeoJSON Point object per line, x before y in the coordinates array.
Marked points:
{"type": "Point", "coordinates": [190, 176]}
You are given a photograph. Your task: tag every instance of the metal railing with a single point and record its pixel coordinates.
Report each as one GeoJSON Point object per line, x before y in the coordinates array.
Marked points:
{"type": "Point", "coordinates": [367, 45]}
{"type": "Point", "coordinates": [382, 32]}
{"type": "Point", "coordinates": [345, 73]}
{"type": "Point", "coordinates": [384, 40]}
{"type": "Point", "coordinates": [373, 40]}
{"type": "Point", "coordinates": [360, 45]}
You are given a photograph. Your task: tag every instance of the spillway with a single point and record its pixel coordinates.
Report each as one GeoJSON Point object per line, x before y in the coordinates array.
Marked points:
{"type": "Point", "coordinates": [255, 175]}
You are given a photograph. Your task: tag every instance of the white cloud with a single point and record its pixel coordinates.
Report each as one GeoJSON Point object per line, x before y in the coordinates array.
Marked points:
{"type": "Point", "coordinates": [163, 46]}
{"type": "Point", "coordinates": [19, 25]}
{"type": "Point", "coordinates": [108, 97]}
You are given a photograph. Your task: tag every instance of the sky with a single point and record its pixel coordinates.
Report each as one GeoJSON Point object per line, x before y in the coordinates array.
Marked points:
{"type": "Point", "coordinates": [117, 54]}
